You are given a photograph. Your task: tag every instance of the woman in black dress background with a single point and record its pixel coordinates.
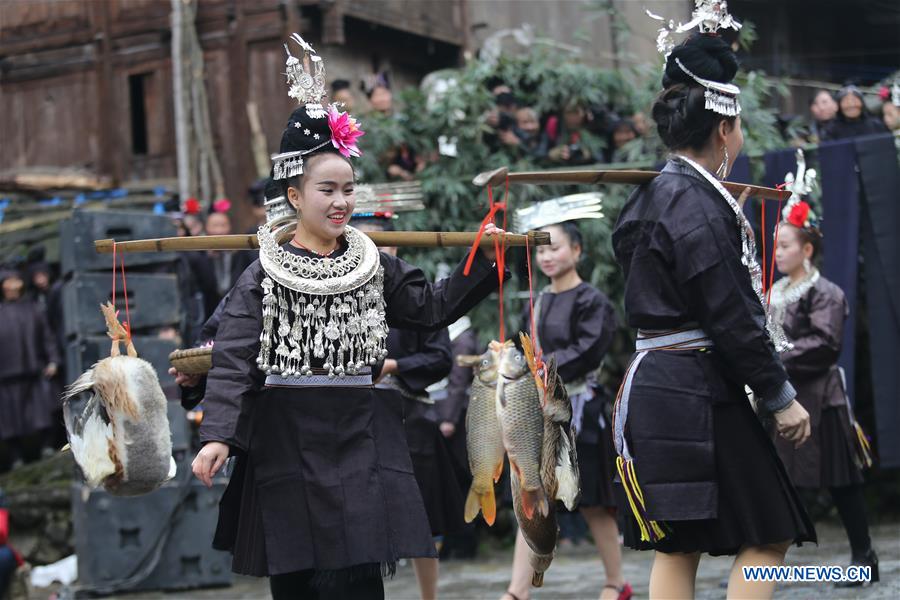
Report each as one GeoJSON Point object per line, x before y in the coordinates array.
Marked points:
{"type": "Point", "coordinates": [575, 323]}
{"type": "Point", "coordinates": [812, 311]}
{"type": "Point", "coordinates": [699, 472]}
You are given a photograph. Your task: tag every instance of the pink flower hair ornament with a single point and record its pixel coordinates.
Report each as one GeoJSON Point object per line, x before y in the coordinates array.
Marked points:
{"type": "Point", "coordinates": [344, 132]}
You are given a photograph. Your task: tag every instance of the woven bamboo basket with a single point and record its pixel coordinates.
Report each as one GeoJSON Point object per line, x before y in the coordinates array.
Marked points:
{"type": "Point", "coordinates": [192, 361]}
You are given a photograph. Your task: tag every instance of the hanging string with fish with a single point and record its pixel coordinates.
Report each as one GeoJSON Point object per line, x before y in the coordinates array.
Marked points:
{"type": "Point", "coordinates": [499, 246]}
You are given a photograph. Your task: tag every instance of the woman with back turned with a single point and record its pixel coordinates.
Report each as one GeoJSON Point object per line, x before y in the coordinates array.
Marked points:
{"type": "Point", "coordinates": [698, 472]}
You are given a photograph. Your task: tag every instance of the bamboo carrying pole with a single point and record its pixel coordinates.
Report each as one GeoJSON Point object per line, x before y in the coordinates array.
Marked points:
{"type": "Point", "coordinates": [420, 239]}
{"type": "Point", "coordinates": [598, 176]}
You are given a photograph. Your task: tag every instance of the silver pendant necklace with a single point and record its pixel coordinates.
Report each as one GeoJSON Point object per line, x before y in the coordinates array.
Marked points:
{"type": "Point", "coordinates": [784, 294]}
{"type": "Point", "coordinates": [321, 310]}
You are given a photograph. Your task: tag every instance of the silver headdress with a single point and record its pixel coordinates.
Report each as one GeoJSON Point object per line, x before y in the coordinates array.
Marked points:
{"type": "Point", "coordinates": [558, 210]}
{"type": "Point", "coordinates": [895, 93]}
{"type": "Point", "coordinates": [709, 17]}
{"type": "Point", "coordinates": [306, 83]}
{"type": "Point", "coordinates": [721, 98]}
{"type": "Point", "coordinates": [306, 78]}
{"type": "Point", "coordinates": [803, 184]}
{"type": "Point", "coordinates": [373, 200]}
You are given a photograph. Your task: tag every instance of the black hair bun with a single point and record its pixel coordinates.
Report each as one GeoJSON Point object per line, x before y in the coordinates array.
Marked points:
{"type": "Point", "coordinates": [706, 56]}
{"type": "Point", "coordinates": [306, 129]}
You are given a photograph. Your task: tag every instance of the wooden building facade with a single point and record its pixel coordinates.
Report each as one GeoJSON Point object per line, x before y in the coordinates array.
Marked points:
{"type": "Point", "coordinates": [88, 83]}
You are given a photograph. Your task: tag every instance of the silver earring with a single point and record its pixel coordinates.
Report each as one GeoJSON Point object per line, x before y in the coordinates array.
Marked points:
{"type": "Point", "coordinates": [807, 265]}
{"type": "Point", "coordinates": [722, 171]}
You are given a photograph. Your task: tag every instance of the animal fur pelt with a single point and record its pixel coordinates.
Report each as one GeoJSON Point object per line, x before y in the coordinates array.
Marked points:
{"type": "Point", "coordinates": [121, 437]}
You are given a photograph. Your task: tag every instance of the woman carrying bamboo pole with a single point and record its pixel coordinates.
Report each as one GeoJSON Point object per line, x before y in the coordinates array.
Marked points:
{"type": "Point", "coordinates": [322, 499]}
{"type": "Point", "coordinates": [699, 474]}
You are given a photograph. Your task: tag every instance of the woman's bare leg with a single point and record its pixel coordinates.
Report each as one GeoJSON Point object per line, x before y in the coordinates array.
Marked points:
{"type": "Point", "coordinates": [673, 575]}
{"type": "Point", "coordinates": [520, 581]}
{"type": "Point", "coordinates": [771, 555]}
{"type": "Point", "coordinates": [427, 570]}
{"type": "Point", "coordinates": [605, 532]}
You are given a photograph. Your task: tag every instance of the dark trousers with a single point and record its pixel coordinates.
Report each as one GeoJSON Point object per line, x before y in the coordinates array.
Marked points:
{"type": "Point", "coordinates": [299, 586]}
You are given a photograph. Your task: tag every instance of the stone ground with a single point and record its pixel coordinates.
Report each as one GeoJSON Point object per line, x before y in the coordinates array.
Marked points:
{"type": "Point", "coordinates": [578, 574]}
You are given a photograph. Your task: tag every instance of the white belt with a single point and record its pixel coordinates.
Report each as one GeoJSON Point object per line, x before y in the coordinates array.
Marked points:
{"type": "Point", "coordinates": [650, 341]}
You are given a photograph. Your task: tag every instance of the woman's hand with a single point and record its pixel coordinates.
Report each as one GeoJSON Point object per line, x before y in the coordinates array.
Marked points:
{"type": "Point", "coordinates": [185, 380]}
{"type": "Point", "coordinates": [50, 370]}
{"type": "Point", "coordinates": [793, 423]}
{"type": "Point", "coordinates": [447, 429]}
{"type": "Point", "coordinates": [209, 460]}
{"type": "Point", "coordinates": [389, 367]}
{"type": "Point", "coordinates": [491, 230]}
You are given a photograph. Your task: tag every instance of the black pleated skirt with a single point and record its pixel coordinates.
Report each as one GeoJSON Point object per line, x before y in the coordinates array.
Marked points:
{"type": "Point", "coordinates": [757, 503]}
{"type": "Point", "coordinates": [596, 455]}
{"type": "Point", "coordinates": [838, 466]}
{"type": "Point", "coordinates": [434, 471]}
{"type": "Point", "coordinates": [327, 485]}
{"type": "Point", "coordinates": [827, 460]}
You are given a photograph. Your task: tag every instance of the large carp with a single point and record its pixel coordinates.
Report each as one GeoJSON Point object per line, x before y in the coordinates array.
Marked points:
{"type": "Point", "coordinates": [522, 424]}
{"type": "Point", "coordinates": [484, 441]}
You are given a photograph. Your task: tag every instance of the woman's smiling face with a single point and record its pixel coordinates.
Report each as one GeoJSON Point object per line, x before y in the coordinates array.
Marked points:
{"type": "Point", "coordinates": [560, 256]}
{"type": "Point", "coordinates": [326, 196]}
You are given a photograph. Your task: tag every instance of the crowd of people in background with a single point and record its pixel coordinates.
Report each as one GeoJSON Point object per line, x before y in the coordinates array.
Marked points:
{"type": "Point", "coordinates": [580, 133]}
{"type": "Point", "coordinates": [577, 134]}
{"type": "Point", "coordinates": [845, 115]}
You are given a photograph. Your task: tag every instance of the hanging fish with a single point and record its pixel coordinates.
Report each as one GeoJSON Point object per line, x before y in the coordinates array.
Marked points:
{"type": "Point", "coordinates": [522, 423]}
{"type": "Point", "coordinates": [483, 437]}
{"type": "Point", "coordinates": [121, 439]}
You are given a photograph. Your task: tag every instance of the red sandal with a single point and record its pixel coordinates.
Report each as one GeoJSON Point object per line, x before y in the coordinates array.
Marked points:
{"type": "Point", "coordinates": [624, 590]}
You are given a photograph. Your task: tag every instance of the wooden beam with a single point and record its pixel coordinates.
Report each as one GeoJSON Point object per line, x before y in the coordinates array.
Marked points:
{"type": "Point", "coordinates": [600, 176]}
{"type": "Point", "coordinates": [418, 239]}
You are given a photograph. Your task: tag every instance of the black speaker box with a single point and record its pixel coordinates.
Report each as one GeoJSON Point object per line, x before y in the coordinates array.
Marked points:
{"type": "Point", "coordinates": [153, 302]}
{"type": "Point", "coordinates": [83, 352]}
{"type": "Point", "coordinates": [78, 233]}
{"type": "Point", "coordinates": [159, 541]}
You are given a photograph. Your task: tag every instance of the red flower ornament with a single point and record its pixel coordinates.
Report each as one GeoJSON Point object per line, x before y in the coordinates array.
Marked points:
{"type": "Point", "coordinates": [191, 206]}
{"type": "Point", "coordinates": [344, 132]}
{"type": "Point", "coordinates": [799, 214]}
